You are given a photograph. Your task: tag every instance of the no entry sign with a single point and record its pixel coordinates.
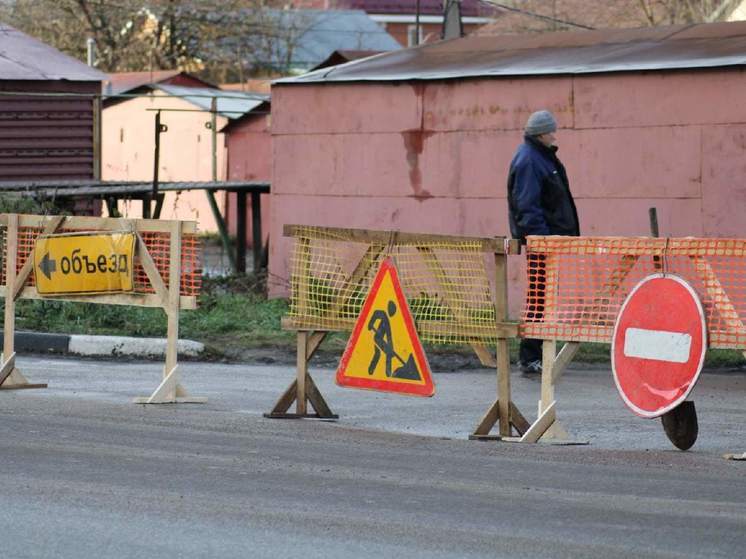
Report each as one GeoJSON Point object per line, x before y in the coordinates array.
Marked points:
{"type": "Point", "coordinates": [659, 344]}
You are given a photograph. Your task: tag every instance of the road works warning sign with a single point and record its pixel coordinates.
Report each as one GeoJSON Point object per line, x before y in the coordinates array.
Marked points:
{"type": "Point", "coordinates": [659, 345]}
{"type": "Point", "coordinates": [384, 352]}
{"type": "Point", "coordinates": [84, 263]}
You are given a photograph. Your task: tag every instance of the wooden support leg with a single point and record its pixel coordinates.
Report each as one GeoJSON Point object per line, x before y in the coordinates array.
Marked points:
{"type": "Point", "coordinates": [303, 389]}
{"type": "Point", "coordinates": [503, 410]}
{"type": "Point", "coordinates": [503, 387]}
{"type": "Point", "coordinates": [10, 376]}
{"type": "Point", "coordinates": [554, 430]}
{"type": "Point", "coordinates": [170, 391]}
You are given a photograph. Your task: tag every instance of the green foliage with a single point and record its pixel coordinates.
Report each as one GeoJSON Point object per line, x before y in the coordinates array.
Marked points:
{"type": "Point", "coordinates": [14, 204]}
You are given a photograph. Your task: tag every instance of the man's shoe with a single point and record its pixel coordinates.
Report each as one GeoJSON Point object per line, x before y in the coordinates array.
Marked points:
{"type": "Point", "coordinates": [531, 369]}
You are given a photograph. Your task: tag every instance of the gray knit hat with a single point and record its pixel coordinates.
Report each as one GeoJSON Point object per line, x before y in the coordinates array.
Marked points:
{"type": "Point", "coordinates": [540, 122]}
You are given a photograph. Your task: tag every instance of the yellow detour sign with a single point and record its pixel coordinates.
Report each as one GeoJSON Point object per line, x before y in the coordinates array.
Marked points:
{"type": "Point", "coordinates": [84, 263]}
{"type": "Point", "coordinates": [384, 352]}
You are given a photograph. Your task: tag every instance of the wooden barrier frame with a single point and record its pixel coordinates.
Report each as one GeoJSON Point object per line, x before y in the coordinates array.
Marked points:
{"type": "Point", "coordinates": [303, 389]}
{"type": "Point", "coordinates": [168, 298]}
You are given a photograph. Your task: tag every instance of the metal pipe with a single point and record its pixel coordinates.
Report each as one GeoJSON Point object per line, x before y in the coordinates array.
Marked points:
{"type": "Point", "coordinates": [216, 213]}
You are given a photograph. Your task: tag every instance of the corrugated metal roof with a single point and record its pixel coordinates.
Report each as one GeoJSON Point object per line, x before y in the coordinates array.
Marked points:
{"type": "Point", "coordinates": [580, 52]}
{"type": "Point", "coordinates": [25, 58]}
{"type": "Point", "coordinates": [409, 7]}
{"type": "Point", "coordinates": [231, 104]}
{"type": "Point", "coordinates": [122, 82]}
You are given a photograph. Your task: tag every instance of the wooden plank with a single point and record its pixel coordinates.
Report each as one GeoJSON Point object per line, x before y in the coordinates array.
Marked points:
{"type": "Point", "coordinates": [484, 354]}
{"type": "Point", "coordinates": [518, 421]}
{"type": "Point", "coordinates": [154, 276]}
{"type": "Point", "coordinates": [104, 223]}
{"type": "Point", "coordinates": [488, 420]}
{"type": "Point", "coordinates": [53, 225]}
{"type": "Point", "coordinates": [129, 299]}
{"type": "Point", "coordinates": [471, 334]}
{"type": "Point", "coordinates": [286, 400]}
{"type": "Point", "coordinates": [719, 296]}
{"type": "Point", "coordinates": [540, 426]}
{"type": "Point", "coordinates": [361, 270]}
{"type": "Point", "coordinates": [8, 365]}
{"type": "Point", "coordinates": [299, 281]}
{"type": "Point", "coordinates": [317, 400]}
{"type": "Point", "coordinates": [503, 387]}
{"type": "Point", "coordinates": [11, 249]}
{"type": "Point", "coordinates": [502, 354]}
{"type": "Point", "coordinates": [174, 287]}
{"type": "Point", "coordinates": [385, 238]}
{"type": "Point", "coordinates": [549, 353]}
{"type": "Point", "coordinates": [301, 373]}
{"type": "Point", "coordinates": [446, 288]}
{"type": "Point", "coordinates": [314, 341]}
{"type": "Point", "coordinates": [563, 359]}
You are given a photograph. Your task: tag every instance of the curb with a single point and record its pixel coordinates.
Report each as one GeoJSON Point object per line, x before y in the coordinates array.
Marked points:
{"type": "Point", "coordinates": [109, 346]}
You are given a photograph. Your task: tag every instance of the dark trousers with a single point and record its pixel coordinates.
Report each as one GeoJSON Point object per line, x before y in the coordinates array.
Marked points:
{"type": "Point", "coordinates": [536, 269]}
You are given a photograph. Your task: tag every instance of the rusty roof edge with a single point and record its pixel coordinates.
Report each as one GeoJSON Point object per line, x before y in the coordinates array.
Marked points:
{"type": "Point", "coordinates": [438, 61]}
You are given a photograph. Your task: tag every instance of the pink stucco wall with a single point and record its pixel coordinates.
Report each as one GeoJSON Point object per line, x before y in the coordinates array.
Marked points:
{"type": "Point", "coordinates": [249, 146]}
{"type": "Point", "coordinates": [433, 157]}
{"type": "Point", "coordinates": [128, 143]}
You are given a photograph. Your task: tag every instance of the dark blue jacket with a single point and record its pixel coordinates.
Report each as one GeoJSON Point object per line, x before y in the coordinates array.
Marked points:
{"type": "Point", "coordinates": [539, 199]}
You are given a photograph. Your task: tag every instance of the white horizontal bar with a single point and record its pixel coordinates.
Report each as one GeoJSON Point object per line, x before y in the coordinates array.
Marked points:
{"type": "Point", "coordinates": [657, 344]}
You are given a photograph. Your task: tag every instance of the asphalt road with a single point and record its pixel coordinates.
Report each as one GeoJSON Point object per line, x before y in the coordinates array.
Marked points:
{"type": "Point", "coordinates": [84, 473]}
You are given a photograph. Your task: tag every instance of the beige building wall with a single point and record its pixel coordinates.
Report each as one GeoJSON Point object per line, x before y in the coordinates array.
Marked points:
{"type": "Point", "coordinates": [128, 144]}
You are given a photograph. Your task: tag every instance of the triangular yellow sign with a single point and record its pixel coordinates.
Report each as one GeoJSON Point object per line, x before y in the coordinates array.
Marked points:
{"type": "Point", "coordinates": [384, 352]}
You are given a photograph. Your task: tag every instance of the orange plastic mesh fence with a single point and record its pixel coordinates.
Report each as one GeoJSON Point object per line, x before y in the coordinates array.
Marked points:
{"type": "Point", "coordinates": [576, 285]}
{"type": "Point", "coordinates": [445, 282]}
{"type": "Point", "coordinates": [158, 244]}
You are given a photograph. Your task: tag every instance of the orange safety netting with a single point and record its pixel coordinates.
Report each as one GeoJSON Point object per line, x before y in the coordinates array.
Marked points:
{"type": "Point", "coordinates": [158, 244]}
{"type": "Point", "coordinates": [576, 285]}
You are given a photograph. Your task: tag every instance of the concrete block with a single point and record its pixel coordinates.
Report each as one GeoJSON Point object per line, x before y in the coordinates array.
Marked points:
{"type": "Point", "coordinates": [120, 345]}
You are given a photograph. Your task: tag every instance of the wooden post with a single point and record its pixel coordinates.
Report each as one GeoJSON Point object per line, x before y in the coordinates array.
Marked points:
{"type": "Point", "coordinates": [241, 233]}
{"type": "Point", "coordinates": [302, 372]}
{"type": "Point", "coordinates": [11, 249]}
{"type": "Point", "coordinates": [174, 289]}
{"type": "Point", "coordinates": [256, 229]}
{"type": "Point", "coordinates": [311, 392]}
{"type": "Point", "coordinates": [10, 376]}
{"type": "Point", "coordinates": [549, 353]}
{"type": "Point", "coordinates": [502, 354]}
{"type": "Point", "coordinates": [170, 390]}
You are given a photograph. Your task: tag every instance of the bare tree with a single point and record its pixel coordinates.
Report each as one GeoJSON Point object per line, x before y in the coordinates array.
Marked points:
{"type": "Point", "coordinates": [220, 38]}
{"type": "Point", "coordinates": [662, 12]}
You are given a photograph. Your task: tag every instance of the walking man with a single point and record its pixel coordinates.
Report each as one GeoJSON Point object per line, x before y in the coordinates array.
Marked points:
{"type": "Point", "coordinates": [539, 203]}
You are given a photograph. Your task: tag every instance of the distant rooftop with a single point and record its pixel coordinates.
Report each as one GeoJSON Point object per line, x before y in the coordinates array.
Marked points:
{"type": "Point", "coordinates": [469, 8]}
{"type": "Point", "coordinates": [24, 58]}
{"type": "Point", "coordinates": [122, 82]}
{"type": "Point", "coordinates": [230, 104]}
{"type": "Point", "coordinates": [308, 37]}
{"type": "Point", "coordinates": [707, 45]}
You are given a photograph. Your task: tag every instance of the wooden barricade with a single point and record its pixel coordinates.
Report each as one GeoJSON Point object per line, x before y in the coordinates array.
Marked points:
{"type": "Point", "coordinates": [592, 278]}
{"type": "Point", "coordinates": [424, 266]}
{"type": "Point", "coordinates": [161, 247]}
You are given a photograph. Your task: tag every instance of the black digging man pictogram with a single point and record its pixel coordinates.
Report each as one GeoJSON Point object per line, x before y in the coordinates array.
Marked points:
{"type": "Point", "coordinates": [380, 325]}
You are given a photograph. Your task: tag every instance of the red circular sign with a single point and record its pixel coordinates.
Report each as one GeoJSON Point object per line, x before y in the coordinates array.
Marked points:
{"type": "Point", "coordinates": [659, 344]}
